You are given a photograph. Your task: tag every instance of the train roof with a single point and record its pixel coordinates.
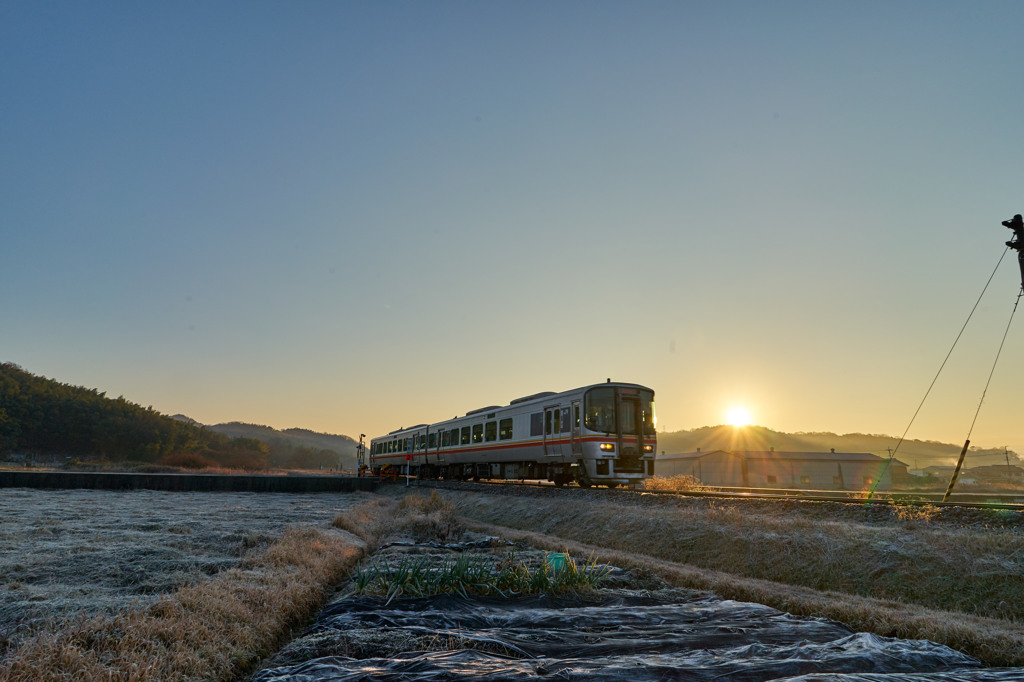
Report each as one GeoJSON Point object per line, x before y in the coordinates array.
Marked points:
{"type": "Point", "coordinates": [484, 409]}
{"type": "Point", "coordinates": [519, 401]}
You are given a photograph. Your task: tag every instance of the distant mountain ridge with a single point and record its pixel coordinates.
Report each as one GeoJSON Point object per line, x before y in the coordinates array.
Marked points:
{"type": "Point", "coordinates": [914, 453]}
{"type": "Point", "coordinates": [288, 441]}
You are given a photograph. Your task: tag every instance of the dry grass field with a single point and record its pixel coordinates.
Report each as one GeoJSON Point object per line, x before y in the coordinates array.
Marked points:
{"type": "Point", "coordinates": [78, 561]}
{"type": "Point", "coordinates": [952, 577]}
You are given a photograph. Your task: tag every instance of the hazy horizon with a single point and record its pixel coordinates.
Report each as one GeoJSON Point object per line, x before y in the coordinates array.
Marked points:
{"type": "Point", "coordinates": [353, 217]}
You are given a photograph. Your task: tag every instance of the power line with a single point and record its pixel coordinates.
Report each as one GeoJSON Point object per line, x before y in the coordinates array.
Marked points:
{"type": "Point", "coordinates": [892, 455]}
{"type": "Point", "coordinates": [946, 359]}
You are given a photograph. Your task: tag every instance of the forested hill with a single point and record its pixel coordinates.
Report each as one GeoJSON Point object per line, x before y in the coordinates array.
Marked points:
{"type": "Point", "coordinates": [40, 416]}
{"type": "Point", "coordinates": [915, 453]}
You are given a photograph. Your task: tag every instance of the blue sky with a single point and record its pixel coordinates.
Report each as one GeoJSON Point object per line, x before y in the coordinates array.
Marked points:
{"type": "Point", "coordinates": [355, 216]}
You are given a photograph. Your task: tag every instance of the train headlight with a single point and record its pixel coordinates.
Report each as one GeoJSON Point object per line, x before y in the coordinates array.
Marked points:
{"type": "Point", "coordinates": [607, 447]}
{"type": "Point", "coordinates": [648, 448]}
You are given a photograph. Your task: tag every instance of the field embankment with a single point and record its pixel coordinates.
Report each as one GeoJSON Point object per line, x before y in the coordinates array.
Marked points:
{"type": "Point", "coordinates": [904, 574]}
{"type": "Point", "coordinates": [112, 480]}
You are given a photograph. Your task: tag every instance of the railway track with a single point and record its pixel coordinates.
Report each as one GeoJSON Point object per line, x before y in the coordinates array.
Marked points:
{"type": "Point", "coordinates": [992, 501]}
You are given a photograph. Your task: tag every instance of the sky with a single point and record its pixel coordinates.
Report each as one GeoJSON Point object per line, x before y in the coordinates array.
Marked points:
{"type": "Point", "coordinates": [355, 216]}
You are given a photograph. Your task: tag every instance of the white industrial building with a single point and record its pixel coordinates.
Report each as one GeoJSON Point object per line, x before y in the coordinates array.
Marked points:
{"type": "Point", "coordinates": [791, 470]}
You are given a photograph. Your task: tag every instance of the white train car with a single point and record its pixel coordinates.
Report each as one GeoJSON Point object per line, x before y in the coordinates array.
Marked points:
{"type": "Point", "coordinates": [603, 434]}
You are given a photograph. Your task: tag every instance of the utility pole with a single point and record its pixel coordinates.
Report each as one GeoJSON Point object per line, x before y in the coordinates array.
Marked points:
{"type": "Point", "coordinates": [956, 472]}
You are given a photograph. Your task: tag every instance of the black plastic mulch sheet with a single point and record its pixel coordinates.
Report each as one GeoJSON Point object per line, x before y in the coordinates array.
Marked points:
{"type": "Point", "coordinates": [622, 638]}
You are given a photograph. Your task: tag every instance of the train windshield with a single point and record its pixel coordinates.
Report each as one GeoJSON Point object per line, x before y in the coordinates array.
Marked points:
{"type": "Point", "coordinates": [612, 409]}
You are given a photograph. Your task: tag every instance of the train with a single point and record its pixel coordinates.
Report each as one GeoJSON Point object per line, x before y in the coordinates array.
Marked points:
{"type": "Point", "coordinates": [601, 434]}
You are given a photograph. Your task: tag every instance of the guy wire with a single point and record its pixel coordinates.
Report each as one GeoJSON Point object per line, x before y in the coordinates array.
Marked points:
{"type": "Point", "coordinates": [993, 370]}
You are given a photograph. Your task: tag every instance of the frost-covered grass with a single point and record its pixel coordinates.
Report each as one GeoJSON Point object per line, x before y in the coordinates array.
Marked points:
{"type": "Point", "coordinates": [907, 576]}
{"type": "Point", "coordinates": [972, 570]}
{"type": "Point", "coordinates": [215, 630]}
{"type": "Point", "coordinates": [67, 554]}
{"type": "Point", "coordinates": [420, 517]}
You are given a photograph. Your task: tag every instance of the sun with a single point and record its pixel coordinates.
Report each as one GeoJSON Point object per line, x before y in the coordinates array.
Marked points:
{"type": "Point", "coordinates": [737, 416]}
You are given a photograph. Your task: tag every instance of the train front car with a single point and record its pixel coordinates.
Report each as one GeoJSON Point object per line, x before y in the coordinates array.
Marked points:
{"type": "Point", "coordinates": [619, 438]}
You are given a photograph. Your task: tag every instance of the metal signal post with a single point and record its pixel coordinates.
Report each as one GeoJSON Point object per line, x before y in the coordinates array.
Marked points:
{"type": "Point", "coordinates": [1016, 223]}
{"type": "Point", "coordinates": [360, 455]}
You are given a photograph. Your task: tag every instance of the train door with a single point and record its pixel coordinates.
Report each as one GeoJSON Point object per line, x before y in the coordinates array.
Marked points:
{"type": "Point", "coordinates": [552, 431]}
{"type": "Point", "coordinates": [577, 444]}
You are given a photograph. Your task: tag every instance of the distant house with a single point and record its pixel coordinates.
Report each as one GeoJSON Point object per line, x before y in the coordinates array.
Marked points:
{"type": "Point", "coordinates": [790, 470]}
{"type": "Point", "coordinates": [997, 473]}
{"type": "Point", "coordinates": [945, 472]}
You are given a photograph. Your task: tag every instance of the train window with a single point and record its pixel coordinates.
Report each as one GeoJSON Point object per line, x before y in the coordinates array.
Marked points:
{"type": "Point", "coordinates": [537, 424]}
{"type": "Point", "coordinates": [576, 410]}
{"type": "Point", "coordinates": [455, 437]}
{"type": "Point", "coordinates": [565, 420]}
{"type": "Point", "coordinates": [478, 433]}
{"type": "Point", "coordinates": [446, 438]}
{"type": "Point", "coordinates": [558, 420]}
{"type": "Point", "coordinates": [433, 440]}
{"type": "Point", "coordinates": [601, 409]}
{"type": "Point", "coordinates": [547, 422]}
{"type": "Point", "coordinates": [491, 431]}
{"type": "Point", "coordinates": [505, 429]}
{"type": "Point", "coordinates": [465, 435]}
